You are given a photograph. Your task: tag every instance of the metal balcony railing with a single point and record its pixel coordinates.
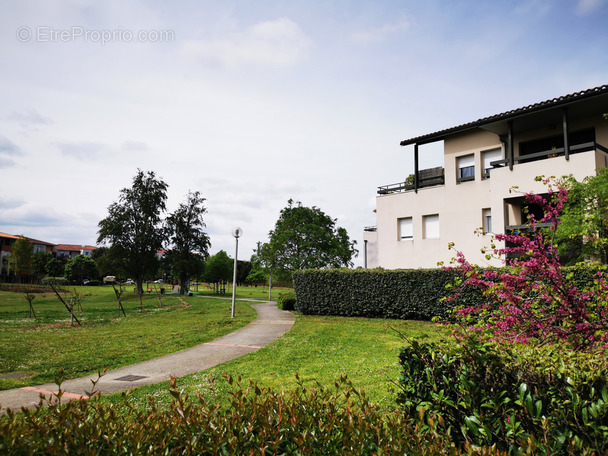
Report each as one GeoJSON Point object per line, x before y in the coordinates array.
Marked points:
{"type": "Point", "coordinates": [426, 178]}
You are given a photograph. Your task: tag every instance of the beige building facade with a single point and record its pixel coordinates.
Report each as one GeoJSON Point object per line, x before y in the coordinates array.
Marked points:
{"type": "Point", "coordinates": [489, 165]}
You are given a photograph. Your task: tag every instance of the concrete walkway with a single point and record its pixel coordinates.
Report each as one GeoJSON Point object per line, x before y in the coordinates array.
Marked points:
{"type": "Point", "coordinates": [270, 324]}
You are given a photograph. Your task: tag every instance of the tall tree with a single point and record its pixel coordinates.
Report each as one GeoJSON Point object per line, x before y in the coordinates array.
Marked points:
{"type": "Point", "coordinates": [189, 244]}
{"type": "Point", "coordinates": [54, 268]}
{"type": "Point", "coordinates": [305, 237]}
{"type": "Point", "coordinates": [79, 268]}
{"type": "Point", "coordinates": [39, 262]}
{"type": "Point", "coordinates": [133, 226]}
{"type": "Point", "coordinates": [218, 268]}
{"type": "Point", "coordinates": [583, 230]}
{"type": "Point", "coordinates": [20, 259]}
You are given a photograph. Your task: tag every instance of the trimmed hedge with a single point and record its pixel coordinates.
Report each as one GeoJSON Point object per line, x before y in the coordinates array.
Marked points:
{"type": "Point", "coordinates": [501, 395]}
{"type": "Point", "coordinates": [402, 294]}
{"type": "Point", "coordinates": [410, 294]}
{"type": "Point", "coordinates": [287, 301]}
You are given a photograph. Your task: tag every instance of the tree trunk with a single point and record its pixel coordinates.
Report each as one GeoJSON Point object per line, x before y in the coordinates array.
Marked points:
{"type": "Point", "coordinates": [140, 285]}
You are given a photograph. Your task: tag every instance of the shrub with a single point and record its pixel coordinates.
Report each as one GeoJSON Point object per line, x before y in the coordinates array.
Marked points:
{"type": "Point", "coordinates": [402, 294]}
{"type": "Point", "coordinates": [287, 301]}
{"type": "Point", "coordinates": [54, 281]}
{"type": "Point", "coordinates": [317, 421]}
{"type": "Point", "coordinates": [489, 394]}
{"type": "Point", "coordinates": [535, 298]}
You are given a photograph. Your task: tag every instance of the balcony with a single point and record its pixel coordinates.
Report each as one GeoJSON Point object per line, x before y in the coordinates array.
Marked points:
{"type": "Point", "coordinates": [553, 152]}
{"type": "Point", "coordinates": [426, 178]}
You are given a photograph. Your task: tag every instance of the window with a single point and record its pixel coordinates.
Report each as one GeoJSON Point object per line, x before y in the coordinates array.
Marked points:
{"type": "Point", "coordinates": [488, 157]}
{"type": "Point", "coordinates": [406, 231]}
{"type": "Point", "coordinates": [487, 220]}
{"type": "Point", "coordinates": [431, 226]}
{"type": "Point", "coordinates": [466, 168]}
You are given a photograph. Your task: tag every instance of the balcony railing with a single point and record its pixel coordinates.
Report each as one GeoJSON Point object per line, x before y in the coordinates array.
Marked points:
{"type": "Point", "coordinates": [426, 178]}
{"type": "Point", "coordinates": [560, 151]}
{"type": "Point", "coordinates": [435, 176]}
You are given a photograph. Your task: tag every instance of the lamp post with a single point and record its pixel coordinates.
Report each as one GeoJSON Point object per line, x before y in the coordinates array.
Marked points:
{"type": "Point", "coordinates": [237, 232]}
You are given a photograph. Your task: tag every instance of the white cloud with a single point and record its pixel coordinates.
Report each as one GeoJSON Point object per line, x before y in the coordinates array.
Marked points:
{"type": "Point", "coordinates": [8, 149]}
{"type": "Point", "coordinates": [277, 43]}
{"type": "Point", "coordinates": [585, 7]}
{"type": "Point", "coordinates": [381, 33]}
{"type": "Point", "coordinates": [135, 146]}
{"type": "Point", "coordinates": [29, 119]}
{"type": "Point", "coordinates": [82, 150]}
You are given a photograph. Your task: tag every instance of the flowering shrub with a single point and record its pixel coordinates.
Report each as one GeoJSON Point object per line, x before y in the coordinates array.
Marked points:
{"type": "Point", "coordinates": [533, 297]}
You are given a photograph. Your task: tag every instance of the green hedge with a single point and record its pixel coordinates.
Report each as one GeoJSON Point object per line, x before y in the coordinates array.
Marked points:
{"type": "Point", "coordinates": [490, 394]}
{"type": "Point", "coordinates": [287, 301]}
{"type": "Point", "coordinates": [401, 294]}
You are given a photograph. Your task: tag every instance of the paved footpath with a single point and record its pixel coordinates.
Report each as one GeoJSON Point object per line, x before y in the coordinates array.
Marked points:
{"type": "Point", "coordinates": [270, 324]}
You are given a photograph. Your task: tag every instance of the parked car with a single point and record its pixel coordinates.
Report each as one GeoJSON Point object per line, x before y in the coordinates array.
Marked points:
{"type": "Point", "coordinates": [109, 279]}
{"type": "Point", "coordinates": [130, 281]}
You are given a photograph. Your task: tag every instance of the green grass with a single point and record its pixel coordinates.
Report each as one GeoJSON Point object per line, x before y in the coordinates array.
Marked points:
{"type": "Point", "coordinates": [40, 347]}
{"type": "Point", "coordinates": [318, 349]}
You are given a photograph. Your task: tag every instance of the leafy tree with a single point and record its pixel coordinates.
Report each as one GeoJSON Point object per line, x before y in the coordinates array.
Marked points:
{"type": "Point", "coordinates": [39, 262]}
{"type": "Point", "coordinates": [133, 226]}
{"type": "Point", "coordinates": [306, 238]}
{"type": "Point", "coordinates": [218, 267]}
{"type": "Point", "coordinates": [583, 231]}
{"type": "Point", "coordinates": [79, 268]}
{"type": "Point", "coordinates": [54, 268]}
{"type": "Point", "coordinates": [188, 240]}
{"type": "Point", "coordinates": [20, 259]}
{"type": "Point", "coordinates": [256, 276]}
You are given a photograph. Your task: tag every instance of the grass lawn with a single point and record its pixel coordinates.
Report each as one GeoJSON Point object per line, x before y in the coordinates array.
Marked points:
{"type": "Point", "coordinates": [318, 349]}
{"type": "Point", "coordinates": [40, 347]}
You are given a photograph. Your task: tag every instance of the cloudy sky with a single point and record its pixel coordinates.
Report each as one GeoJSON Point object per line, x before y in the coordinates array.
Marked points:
{"type": "Point", "coordinates": [254, 103]}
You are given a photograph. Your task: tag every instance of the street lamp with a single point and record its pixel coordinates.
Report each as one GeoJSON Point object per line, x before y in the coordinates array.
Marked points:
{"type": "Point", "coordinates": [237, 233]}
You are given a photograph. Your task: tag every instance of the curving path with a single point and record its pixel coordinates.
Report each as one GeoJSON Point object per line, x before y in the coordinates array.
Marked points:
{"type": "Point", "coordinates": [270, 324]}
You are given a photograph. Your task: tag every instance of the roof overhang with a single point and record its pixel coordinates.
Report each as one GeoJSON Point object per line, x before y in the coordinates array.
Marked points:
{"type": "Point", "coordinates": [579, 105]}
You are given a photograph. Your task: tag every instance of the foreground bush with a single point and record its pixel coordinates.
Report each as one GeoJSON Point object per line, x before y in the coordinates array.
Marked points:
{"type": "Point", "coordinates": [287, 301]}
{"type": "Point", "coordinates": [490, 394]}
{"type": "Point", "coordinates": [253, 421]}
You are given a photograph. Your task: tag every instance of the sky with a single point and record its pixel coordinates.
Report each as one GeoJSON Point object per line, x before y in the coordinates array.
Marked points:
{"type": "Point", "coordinates": [256, 103]}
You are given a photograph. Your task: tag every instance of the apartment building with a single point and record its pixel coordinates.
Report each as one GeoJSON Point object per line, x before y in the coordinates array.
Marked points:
{"type": "Point", "coordinates": [488, 165]}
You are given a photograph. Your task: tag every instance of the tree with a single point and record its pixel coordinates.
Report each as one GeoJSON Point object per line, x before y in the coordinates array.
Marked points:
{"type": "Point", "coordinates": [189, 244]}
{"type": "Point", "coordinates": [133, 226]}
{"type": "Point", "coordinates": [20, 259]}
{"type": "Point", "coordinates": [218, 268]}
{"type": "Point", "coordinates": [583, 231]}
{"type": "Point", "coordinates": [256, 276]}
{"type": "Point", "coordinates": [39, 262]}
{"type": "Point", "coordinates": [306, 238]}
{"type": "Point", "coordinates": [243, 268]}
{"type": "Point", "coordinates": [79, 268]}
{"type": "Point", "coordinates": [54, 268]}
{"type": "Point", "coordinates": [108, 264]}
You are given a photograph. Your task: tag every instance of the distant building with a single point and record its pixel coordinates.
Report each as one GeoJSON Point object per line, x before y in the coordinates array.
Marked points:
{"type": "Point", "coordinates": [59, 251]}
{"type": "Point", "coordinates": [483, 161]}
{"type": "Point", "coordinates": [73, 250]}
{"type": "Point", "coordinates": [6, 247]}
